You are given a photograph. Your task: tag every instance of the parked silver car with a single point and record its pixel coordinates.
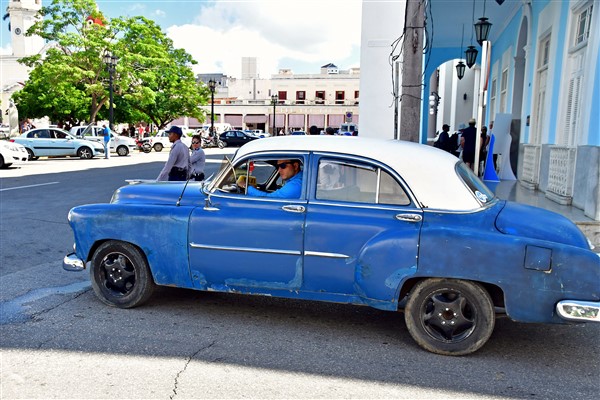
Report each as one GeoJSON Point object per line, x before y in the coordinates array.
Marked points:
{"type": "Point", "coordinates": [45, 142]}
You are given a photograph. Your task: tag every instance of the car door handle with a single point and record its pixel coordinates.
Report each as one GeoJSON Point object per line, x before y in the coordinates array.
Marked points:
{"type": "Point", "coordinates": [409, 217]}
{"type": "Point", "coordinates": [293, 208]}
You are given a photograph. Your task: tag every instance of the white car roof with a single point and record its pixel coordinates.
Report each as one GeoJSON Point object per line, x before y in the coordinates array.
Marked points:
{"type": "Point", "coordinates": [429, 172]}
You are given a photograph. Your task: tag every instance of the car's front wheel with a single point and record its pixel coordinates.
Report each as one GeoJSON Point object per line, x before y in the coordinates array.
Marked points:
{"type": "Point", "coordinates": [158, 147]}
{"type": "Point", "coordinates": [449, 317]}
{"type": "Point", "coordinates": [85, 153]}
{"type": "Point", "coordinates": [122, 151]}
{"type": "Point", "coordinates": [120, 275]}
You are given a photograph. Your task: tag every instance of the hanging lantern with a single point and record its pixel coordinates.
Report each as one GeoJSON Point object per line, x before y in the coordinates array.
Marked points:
{"type": "Point", "coordinates": [460, 69]}
{"type": "Point", "coordinates": [482, 30]}
{"type": "Point", "coordinates": [471, 56]}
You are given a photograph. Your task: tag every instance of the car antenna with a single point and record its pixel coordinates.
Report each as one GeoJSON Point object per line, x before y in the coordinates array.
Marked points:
{"type": "Point", "coordinates": [183, 191]}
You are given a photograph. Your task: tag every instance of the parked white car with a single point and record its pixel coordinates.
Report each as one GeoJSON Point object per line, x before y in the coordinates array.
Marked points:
{"type": "Point", "coordinates": [161, 140]}
{"type": "Point", "coordinates": [122, 145]}
{"type": "Point", "coordinates": [12, 153]}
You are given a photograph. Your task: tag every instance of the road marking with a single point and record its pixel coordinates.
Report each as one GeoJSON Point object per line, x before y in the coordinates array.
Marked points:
{"type": "Point", "coordinates": [28, 186]}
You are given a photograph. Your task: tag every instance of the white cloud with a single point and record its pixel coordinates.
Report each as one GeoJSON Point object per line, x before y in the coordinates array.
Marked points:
{"type": "Point", "coordinates": [309, 31]}
{"type": "Point", "coordinates": [6, 50]}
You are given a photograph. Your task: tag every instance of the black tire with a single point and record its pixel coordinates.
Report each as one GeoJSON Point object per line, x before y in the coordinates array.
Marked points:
{"type": "Point", "coordinates": [32, 156]}
{"type": "Point", "coordinates": [158, 147]}
{"type": "Point", "coordinates": [449, 317]}
{"type": "Point", "coordinates": [221, 144]}
{"type": "Point", "coordinates": [84, 153]}
{"type": "Point", "coordinates": [122, 151]}
{"type": "Point", "coordinates": [120, 275]}
{"type": "Point", "coordinates": [2, 165]}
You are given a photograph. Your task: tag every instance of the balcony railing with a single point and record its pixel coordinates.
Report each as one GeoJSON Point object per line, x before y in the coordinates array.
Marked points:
{"type": "Point", "coordinates": [562, 172]}
{"type": "Point", "coordinates": [531, 165]}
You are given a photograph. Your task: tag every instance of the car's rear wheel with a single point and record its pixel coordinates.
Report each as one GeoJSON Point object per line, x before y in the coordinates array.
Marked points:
{"type": "Point", "coordinates": [449, 317]}
{"type": "Point", "coordinates": [2, 165]}
{"type": "Point", "coordinates": [32, 156]}
{"type": "Point", "coordinates": [158, 147]}
{"type": "Point", "coordinates": [122, 151]}
{"type": "Point", "coordinates": [120, 275]}
{"type": "Point", "coordinates": [85, 153]}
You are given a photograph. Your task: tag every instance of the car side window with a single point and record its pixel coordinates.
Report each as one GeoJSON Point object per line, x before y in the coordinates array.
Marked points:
{"type": "Point", "coordinates": [261, 173]}
{"type": "Point", "coordinates": [41, 134]}
{"type": "Point", "coordinates": [358, 183]}
{"type": "Point", "coordinates": [59, 135]}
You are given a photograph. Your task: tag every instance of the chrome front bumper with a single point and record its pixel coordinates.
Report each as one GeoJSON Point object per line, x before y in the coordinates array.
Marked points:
{"type": "Point", "coordinates": [575, 310]}
{"type": "Point", "coordinates": [73, 263]}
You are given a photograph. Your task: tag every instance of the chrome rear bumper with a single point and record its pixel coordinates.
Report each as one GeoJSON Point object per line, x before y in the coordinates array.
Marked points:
{"type": "Point", "coordinates": [73, 263]}
{"type": "Point", "coordinates": [575, 310]}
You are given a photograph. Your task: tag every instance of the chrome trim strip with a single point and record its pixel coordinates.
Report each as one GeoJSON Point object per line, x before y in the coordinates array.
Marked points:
{"type": "Point", "coordinates": [246, 249]}
{"type": "Point", "coordinates": [323, 254]}
{"type": "Point", "coordinates": [577, 310]}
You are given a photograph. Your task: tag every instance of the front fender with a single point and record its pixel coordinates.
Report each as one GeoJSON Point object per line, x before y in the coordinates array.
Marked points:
{"type": "Point", "coordinates": [161, 232]}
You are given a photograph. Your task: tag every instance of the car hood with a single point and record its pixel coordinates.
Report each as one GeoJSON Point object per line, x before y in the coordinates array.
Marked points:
{"type": "Point", "coordinates": [532, 222]}
{"type": "Point", "coordinates": [166, 193]}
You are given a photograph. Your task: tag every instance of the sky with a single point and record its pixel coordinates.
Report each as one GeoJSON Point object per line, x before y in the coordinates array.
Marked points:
{"type": "Point", "coordinates": [301, 35]}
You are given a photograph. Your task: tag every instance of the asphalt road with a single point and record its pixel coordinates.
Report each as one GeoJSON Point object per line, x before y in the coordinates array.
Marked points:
{"type": "Point", "coordinates": [58, 341]}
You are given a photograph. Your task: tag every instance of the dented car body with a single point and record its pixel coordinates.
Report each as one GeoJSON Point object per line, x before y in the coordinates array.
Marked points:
{"type": "Point", "coordinates": [387, 224]}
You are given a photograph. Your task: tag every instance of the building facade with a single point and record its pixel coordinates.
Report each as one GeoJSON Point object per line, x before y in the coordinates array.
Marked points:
{"type": "Point", "coordinates": [22, 15]}
{"type": "Point", "coordinates": [541, 74]}
{"type": "Point", "coordinates": [285, 102]}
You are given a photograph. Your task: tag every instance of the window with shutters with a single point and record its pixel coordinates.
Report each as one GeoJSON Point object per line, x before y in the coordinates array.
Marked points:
{"type": "Point", "coordinates": [493, 98]}
{"type": "Point", "coordinates": [539, 108]}
{"type": "Point", "coordinates": [503, 90]}
{"type": "Point", "coordinates": [581, 20]}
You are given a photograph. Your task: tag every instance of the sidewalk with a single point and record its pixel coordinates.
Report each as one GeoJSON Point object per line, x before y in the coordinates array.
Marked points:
{"type": "Point", "coordinates": [513, 191]}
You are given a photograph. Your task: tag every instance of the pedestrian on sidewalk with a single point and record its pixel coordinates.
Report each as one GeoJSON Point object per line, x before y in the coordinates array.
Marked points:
{"type": "Point", "coordinates": [176, 167]}
{"type": "Point", "coordinates": [197, 159]}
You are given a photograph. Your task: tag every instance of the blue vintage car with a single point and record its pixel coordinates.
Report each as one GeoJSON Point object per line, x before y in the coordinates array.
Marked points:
{"type": "Point", "coordinates": [387, 224]}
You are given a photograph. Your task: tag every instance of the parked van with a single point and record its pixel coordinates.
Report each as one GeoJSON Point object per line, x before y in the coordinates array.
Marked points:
{"type": "Point", "coordinates": [348, 129]}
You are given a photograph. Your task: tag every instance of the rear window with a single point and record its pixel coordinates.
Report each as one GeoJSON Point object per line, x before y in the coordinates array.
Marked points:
{"type": "Point", "coordinates": [477, 187]}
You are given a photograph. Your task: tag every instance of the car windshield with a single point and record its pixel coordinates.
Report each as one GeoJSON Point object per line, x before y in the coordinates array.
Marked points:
{"type": "Point", "coordinates": [477, 187]}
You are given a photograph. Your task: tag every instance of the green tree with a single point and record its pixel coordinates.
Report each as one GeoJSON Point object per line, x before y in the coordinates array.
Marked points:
{"type": "Point", "coordinates": [153, 80]}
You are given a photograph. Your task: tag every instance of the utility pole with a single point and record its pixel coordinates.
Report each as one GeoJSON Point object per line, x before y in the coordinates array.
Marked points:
{"type": "Point", "coordinates": [412, 66]}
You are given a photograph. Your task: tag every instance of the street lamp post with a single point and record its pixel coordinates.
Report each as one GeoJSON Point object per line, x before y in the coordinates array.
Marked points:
{"type": "Point", "coordinates": [212, 85]}
{"type": "Point", "coordinates": [274, 101]}
{"type": "Point", "coordinates": [111, 64]}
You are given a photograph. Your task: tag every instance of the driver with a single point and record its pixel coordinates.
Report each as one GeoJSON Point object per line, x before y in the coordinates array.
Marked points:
{"type": "Point", "coordinates": [290, 172]}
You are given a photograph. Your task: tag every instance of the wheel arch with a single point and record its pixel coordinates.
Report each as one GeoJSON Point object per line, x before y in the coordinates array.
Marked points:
{"type": "Point", "coordinates": [495, 292]}
{"type": "Point", "coordinates": [96, 245]}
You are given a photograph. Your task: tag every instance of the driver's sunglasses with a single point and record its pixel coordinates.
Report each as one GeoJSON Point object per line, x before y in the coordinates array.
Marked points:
{"type": "Point", "coordinates": [283, 165]}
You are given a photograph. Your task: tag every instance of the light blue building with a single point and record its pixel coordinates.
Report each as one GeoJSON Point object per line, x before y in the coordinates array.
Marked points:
{"type": "Point", "coordinates": [543, 76]}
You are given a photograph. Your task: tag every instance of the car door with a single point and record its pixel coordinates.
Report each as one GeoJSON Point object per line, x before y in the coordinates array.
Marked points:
{"type": "Point", "coordinates": [40, 141]}
{"type": "Point", "coordinates": [62, 143]}
{"type": "Point", "coordinates": [240, 241]}
{"type": "Point", "coordinates": [362, 230]}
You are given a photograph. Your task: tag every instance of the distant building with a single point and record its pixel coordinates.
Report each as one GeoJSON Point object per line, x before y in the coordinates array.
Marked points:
{"type": "Point", "coordinates": [328, 98]}
{"type": "Point", "coordinates": [21, 16]}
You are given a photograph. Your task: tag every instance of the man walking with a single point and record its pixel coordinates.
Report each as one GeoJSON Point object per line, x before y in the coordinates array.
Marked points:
{"type": "Point", "coordinates": [467, 141]}
{"type": "Point", "coordinates": [176, 167]}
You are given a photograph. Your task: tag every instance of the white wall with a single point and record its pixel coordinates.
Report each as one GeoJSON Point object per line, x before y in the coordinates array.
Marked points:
{"type": "Point", "coordinates": [382, 24]}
